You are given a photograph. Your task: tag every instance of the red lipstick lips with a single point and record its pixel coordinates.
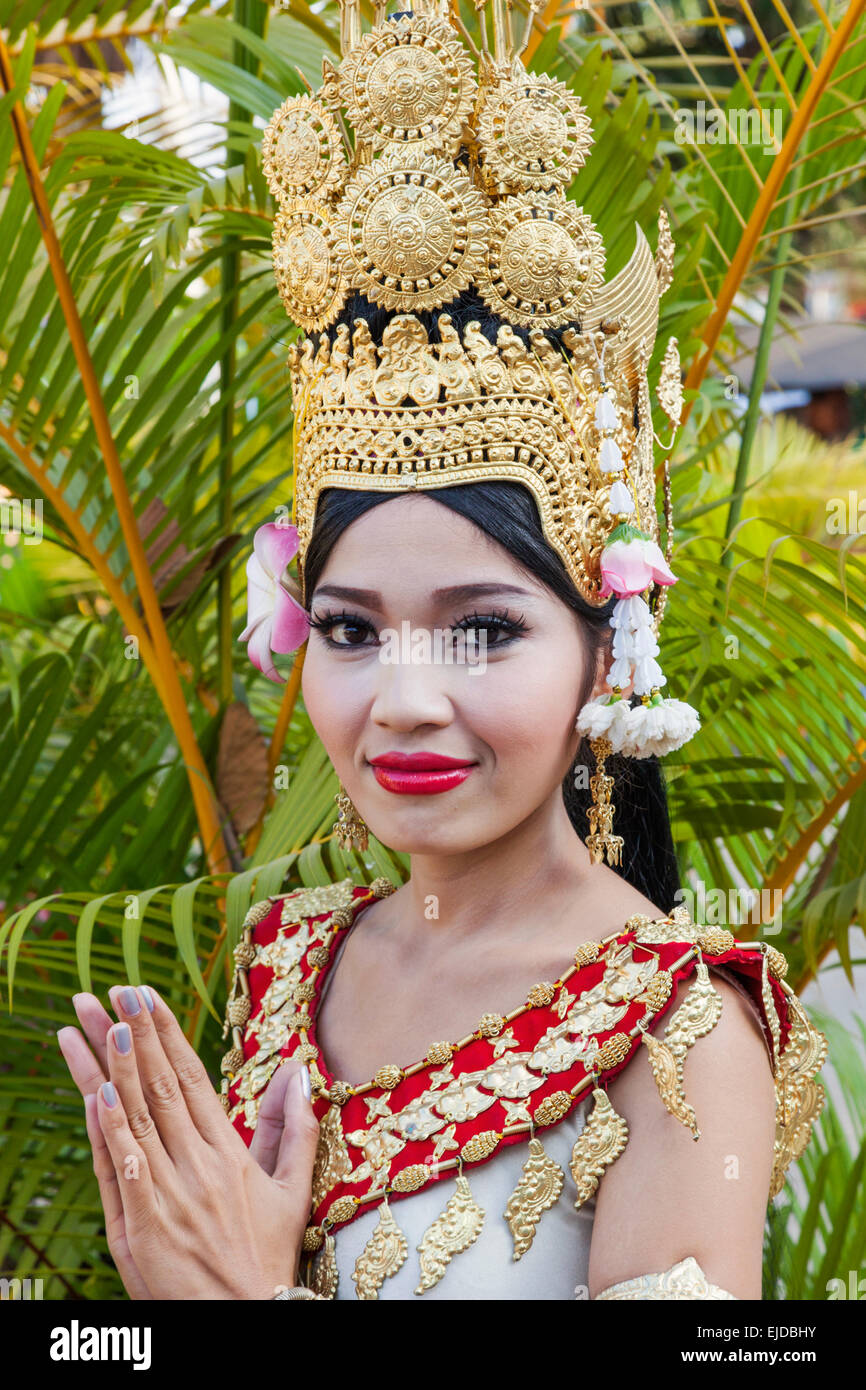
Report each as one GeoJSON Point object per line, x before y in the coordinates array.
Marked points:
{"type": "Point", "coordinates": [419, 774]}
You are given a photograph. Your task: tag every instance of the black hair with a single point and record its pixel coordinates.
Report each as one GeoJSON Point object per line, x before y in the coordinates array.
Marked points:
{"type": "Point", "coordinates": [506, 512]}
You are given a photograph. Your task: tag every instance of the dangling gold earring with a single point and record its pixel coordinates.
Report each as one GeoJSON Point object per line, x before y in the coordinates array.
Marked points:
{"type": "Point", "coordinates": [349, 828]}
{"type": "Point", "coordinates": [601, 838]}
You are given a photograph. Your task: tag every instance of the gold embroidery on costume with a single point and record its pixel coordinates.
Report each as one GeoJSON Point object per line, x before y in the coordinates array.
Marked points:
{"type": "Point", "coordinates": [625, 977]}
{"type": "Point", "coordinates": [603, 1139]}
{"type": "Point", "coordinates": [658, 991]}
{"type": "Point", "coordinates": [697, 1015]}
{"type": "Point", "coordinates": [505, 1041]}
{"type": "Point", "coordinates": [384, 1253]}
{"type": "Point", "coordinates": [311, 902]}
{"type": "Point", "coordinates": [451, 1233]}
{"type": "Point", "coordinates": [661, 933]}
{"type": "Point", "coordinates": [445, 1143]}
{"type": "Point", "coordinates": [683, 1280]}
{"type": "Point", "coordinates": [538, 1189]}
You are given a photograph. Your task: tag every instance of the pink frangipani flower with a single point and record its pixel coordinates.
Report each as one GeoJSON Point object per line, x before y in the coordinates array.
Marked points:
{"type": "Point", "coordinates": [629, 566]}
{"type": "Point", "coordinates": [276, 622]}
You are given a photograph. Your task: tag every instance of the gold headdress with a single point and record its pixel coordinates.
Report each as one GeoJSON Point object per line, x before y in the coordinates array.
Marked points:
{"type": "Point", "coordinates": [427, 171]}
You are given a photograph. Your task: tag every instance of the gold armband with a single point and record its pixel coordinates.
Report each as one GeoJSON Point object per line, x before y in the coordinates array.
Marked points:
{"type": "Point", "coordinates": [297, 1292]}
{"type": "Point", "coordinates": [683, 1280]}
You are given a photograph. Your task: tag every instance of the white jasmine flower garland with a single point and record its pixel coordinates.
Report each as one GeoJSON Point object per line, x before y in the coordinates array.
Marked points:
{"type": "Point", "coordinates": [630, 563]}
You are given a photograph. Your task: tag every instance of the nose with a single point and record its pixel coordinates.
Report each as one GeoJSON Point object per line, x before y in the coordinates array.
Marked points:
{"type": "Point", "coordinates": [410, 694]}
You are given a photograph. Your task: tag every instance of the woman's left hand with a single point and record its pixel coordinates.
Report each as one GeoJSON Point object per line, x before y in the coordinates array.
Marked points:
{"type": "Point", "coordinates": [191, 1212]}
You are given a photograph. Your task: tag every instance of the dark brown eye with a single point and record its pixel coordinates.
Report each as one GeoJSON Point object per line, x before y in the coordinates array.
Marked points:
{"type": "Point", "coordinates": [344, 629]}
{"type": "Point", "coordinates": [349, 634]}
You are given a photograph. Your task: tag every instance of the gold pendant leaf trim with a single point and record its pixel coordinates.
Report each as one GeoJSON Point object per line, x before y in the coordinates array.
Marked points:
{"type": "Point", "coordinates": [382, 1256]}
{"type": "Point", "coordinates": [604, 1137]}
{"type": "Point", "coordinates": [537, 1190]}
{"type": "Point", "coordinates": [454, 1231]}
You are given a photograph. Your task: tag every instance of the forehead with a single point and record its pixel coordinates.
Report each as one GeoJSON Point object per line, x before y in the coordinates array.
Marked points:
{"type": "Point", "coordinates": [412, 542]}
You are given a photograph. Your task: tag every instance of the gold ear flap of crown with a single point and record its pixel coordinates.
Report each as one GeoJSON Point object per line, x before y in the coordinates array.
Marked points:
{"type": "Point", "coordinates": [683, 1280]}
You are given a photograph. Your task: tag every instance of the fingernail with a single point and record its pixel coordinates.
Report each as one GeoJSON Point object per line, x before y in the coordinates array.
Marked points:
{"type": "Point", "coordinates": [305, 1083]}
{"type": "Point", "coordinates": [109, 1095]}
{"type": "Point", "coordinates": [122, 1038]}
{"type": "Point", "coordinates": [129, 1001]}
{"type": "Point", "coordinates": [147, 997]}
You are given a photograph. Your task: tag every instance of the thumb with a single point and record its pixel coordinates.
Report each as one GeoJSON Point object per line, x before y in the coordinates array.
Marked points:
{"type": "Point", "coordinates": [296, 1155]}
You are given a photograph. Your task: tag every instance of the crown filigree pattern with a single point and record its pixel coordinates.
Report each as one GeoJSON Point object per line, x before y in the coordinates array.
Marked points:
{"type": "Point", "coordinates": [416, 414]}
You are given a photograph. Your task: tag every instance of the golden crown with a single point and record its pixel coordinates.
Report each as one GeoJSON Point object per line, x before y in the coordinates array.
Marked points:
{"type": "Point", "coordinates": [428, 170]}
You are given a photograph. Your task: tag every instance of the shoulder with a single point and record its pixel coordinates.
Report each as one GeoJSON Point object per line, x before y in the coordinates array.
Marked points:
{"type": "Point", "coordinates": [678, 1196]}
{"type": "Point", "coordinates": [734, 1052]}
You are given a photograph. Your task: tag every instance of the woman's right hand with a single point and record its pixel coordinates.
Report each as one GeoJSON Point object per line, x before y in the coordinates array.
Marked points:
{"type": "Point", "coordinates": [207, 1218]}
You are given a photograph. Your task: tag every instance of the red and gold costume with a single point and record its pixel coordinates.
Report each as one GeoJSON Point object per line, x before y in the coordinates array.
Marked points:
{"type": "Point", "coordinates": [513, 1081]}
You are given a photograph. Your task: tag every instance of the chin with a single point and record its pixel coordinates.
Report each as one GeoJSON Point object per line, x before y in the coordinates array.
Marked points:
{"type": "Point", "coordinates": [448, 832]}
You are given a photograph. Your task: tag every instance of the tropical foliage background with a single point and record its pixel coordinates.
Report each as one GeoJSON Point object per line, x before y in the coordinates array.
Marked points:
{"type": "Point", "coordinates": [152, 785]}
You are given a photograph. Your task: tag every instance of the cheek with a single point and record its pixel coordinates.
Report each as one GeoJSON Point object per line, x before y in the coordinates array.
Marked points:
{"type": "Point", "coordinates": [527, 707]}
{"type": "Point", "coordinates": [336, 699]}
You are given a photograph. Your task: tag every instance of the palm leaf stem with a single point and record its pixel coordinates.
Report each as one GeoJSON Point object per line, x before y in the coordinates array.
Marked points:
{"type": "Point", "coordinates": [169, 689]}
{"type": "Point", "coordinates": [781, 166]}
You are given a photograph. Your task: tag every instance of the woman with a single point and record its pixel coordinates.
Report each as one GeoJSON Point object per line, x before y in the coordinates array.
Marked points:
{"type": "Point", "coordinates": [414, 1072]}
{"type": "Point", "coordinates": [502, 894]}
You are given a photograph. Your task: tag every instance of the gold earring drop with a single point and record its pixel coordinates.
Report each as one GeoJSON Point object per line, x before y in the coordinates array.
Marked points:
{"type": "Point", "coordinates": [601, 838]}
{"type": "Point", "coordinates": [349, 828]}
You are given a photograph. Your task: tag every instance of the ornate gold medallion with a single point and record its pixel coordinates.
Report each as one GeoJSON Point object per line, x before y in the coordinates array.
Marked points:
{"type": "Point", "coordinates": [409, 82]}
{"type": "Point", "coordinates": [533, 132]}
{"type": "Point", "coordinates": [603, 1139]}
{"type": "Point", "coordinates": [411, 230]}
{"type": "Point", "coordinates": [382, 1256]}
{"type": "Point", "coordinates": [306, 269]}
{"type": "Point", "coordinates": [545, 260]}
{"type": "Point", "coordinates": [302, 151]}
{"type": "Point", "coordinates": [538, 1189]}
{"type": "Point", "coordinates": [452, 1232]}
{"type": "Point", "coordinates": [332, 1156]}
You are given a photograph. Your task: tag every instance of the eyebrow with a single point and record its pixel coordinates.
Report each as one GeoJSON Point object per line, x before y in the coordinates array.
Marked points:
{"type": "Point", "coordinates": [455, 593]}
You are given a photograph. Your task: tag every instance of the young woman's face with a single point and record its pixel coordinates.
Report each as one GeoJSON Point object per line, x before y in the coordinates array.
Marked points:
{"type": "Point", "coordinates": [488, 744]}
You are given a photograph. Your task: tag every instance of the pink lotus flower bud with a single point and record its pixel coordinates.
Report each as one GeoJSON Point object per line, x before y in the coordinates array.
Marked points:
{"type": "Point", "coordinates": [276, 622]}
{"type": "Point", "coordinates": [630, 566]}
